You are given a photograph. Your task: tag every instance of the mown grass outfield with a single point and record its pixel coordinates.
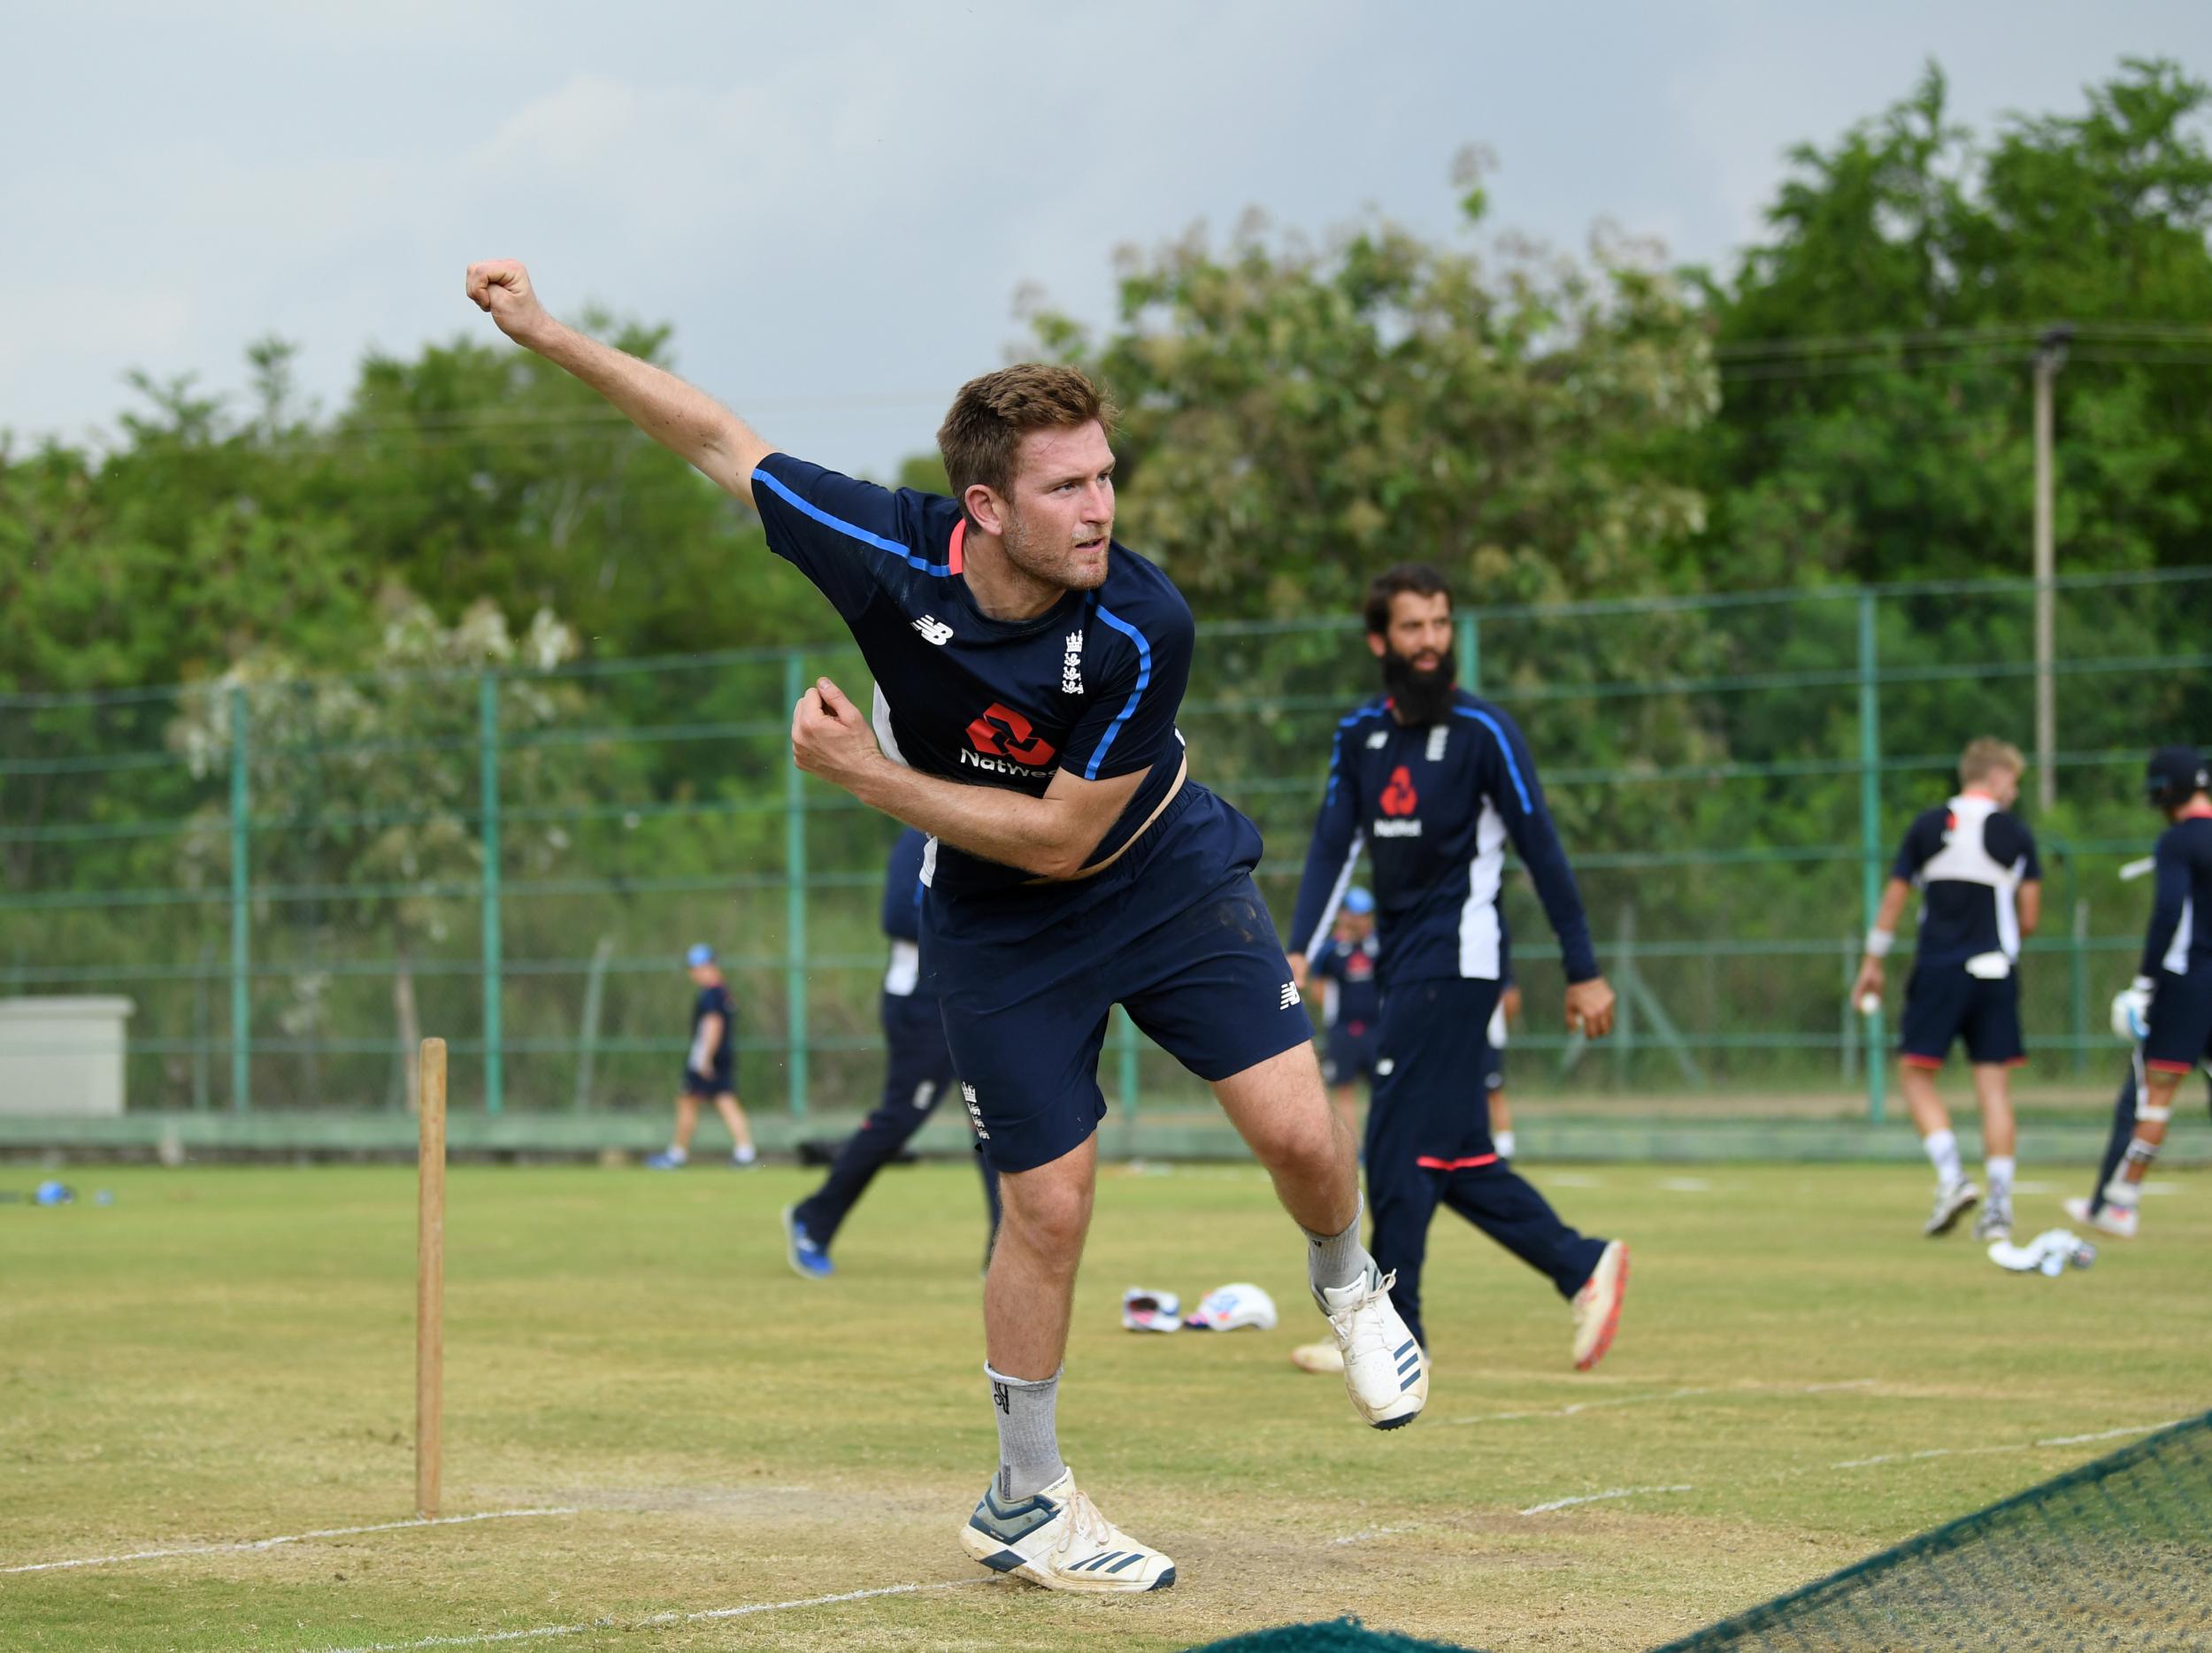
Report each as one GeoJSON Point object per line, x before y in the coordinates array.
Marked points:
{"type": "Point", "coordinates": [225, 1355]}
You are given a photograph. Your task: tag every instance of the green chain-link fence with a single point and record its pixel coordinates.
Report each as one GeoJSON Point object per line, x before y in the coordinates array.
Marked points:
{"type": "Point", "coordinates": [291, 879]}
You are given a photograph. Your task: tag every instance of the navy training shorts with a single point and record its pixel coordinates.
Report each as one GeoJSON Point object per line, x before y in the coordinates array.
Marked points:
{"type": "Point", "coordinates": [1174, 932]}
{"type": "Point", "coordinates": [2180, 1033]}
{"type": "Point", "coordinates": [721, 1081]}
{"type": "Point", "coordinates": [1943, 1004]}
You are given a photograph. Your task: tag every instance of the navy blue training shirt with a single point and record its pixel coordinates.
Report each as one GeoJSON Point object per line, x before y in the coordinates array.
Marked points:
{"type": "Point", "coordinates": [1969, 859]}
{"type": "Point", "coordinates": [1091, 687]}
{"type": "Point", "coordinates": [1435, 805]}
{"type": "Point", "coordinates": [2180, 937]}
{"type": "Point", "coordinates": [1354, 995]}
{"type": "Point", "coordinates": [715, 1001]}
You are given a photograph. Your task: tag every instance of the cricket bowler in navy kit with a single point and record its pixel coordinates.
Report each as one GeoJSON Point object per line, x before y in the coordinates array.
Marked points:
{"type": "Point", "coordinates": [1435, 783]}
{"type": "Point", "coordinates": [1027, 673]}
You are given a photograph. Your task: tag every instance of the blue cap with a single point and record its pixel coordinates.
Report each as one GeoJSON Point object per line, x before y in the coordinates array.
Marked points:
{"type": "Point", "coordinates": [1358, 902]}
{"type": "Point", "coordinates": [700, 954]}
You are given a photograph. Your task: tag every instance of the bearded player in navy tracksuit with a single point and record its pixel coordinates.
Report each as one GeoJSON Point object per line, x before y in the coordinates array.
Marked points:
{"type": "Point", "coordinates": [1435, 783]}
{"type": "Point", "coordinates": [1028, 674]}
{"type": "Point", "coordinates": [2169, 1003]}
{"type": "Point", "coordinates": [917, 1075]}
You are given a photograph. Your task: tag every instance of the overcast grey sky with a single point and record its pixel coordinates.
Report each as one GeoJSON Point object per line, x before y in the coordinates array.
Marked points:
{"type": "Point", "coordinates": [836, 203]}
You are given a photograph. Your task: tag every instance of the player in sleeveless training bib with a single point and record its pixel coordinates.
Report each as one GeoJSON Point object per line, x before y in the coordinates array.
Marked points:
{"type": "Point", "coordinates": [1435, 783]}
{"type": "Point", "coordinates": [1981, 892]}
{"type": "Point", "coordinates": [2168, 1006]}
{"type": "Point", "coordinates": [1027, 673]}
{"type": "Point", "coordinates": [917, 1075]}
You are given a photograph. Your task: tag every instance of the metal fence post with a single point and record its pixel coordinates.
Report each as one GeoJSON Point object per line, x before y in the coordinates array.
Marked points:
{"type": "Point", "coordinates": [1871, 833]}
{"type": "Point", "coordinates": [795, 903]}
{"type": "Point", "coordinates": [487, 775]}
{"type": "Point", "coordinates": [2079, 973]}
{"type": "Point", "coordinates": [1469, 653]}
{"type": "Point", "coordinates": [241, 912]}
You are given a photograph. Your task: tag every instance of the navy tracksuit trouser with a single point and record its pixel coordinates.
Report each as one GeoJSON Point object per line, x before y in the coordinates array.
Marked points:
{"type": "Point", "coordinates": [1428, 1143]}
{"type": "Point", "coordinates": [917, 1077]}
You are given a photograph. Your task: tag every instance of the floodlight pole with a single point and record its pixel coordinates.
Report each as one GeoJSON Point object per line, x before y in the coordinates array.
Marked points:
{"type": "Point", "coordinates": [2050, 355]}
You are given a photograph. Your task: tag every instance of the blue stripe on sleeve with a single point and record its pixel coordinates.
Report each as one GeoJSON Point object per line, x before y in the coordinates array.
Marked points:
{"type": "Point", "coordinates": [851, 531]}
{"type": "Point", "coordinates": [1144, 676]}
{"type": "Point", "coordinates": [1336, 747]}
{"type": "Point", "coordinates": [1511, 767]}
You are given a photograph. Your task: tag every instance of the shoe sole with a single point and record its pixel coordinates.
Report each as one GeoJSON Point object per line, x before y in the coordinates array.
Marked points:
{"type": "Point", "coordinates": [1401, 1411]}
{"type": "Point", "coordinates": [1612, 1319]}
{"type": "Point", "coordinates": [987, 1552]}
{"type": "Point", "coordinates": [791, 1248]}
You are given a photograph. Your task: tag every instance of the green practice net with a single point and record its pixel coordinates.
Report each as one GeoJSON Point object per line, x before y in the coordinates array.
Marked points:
{"type": "Point", "coordinates": [2116, 1555]}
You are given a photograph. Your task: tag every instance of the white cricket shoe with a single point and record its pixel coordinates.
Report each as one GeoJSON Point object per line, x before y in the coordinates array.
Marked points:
{"type": "Point", "coordinates": [2112, 1219]}
{"type": "Point", "coordinates": [1597, 1306]}
{"type": "Point", "coordinates": [1058, 1539]}
{"type": "Point", "coordinates": [1994, 1223]}
{"type": "Point", "coordinates": [1385, 1370]}
{"type": "Point", "coordinates": [1952, 1201]}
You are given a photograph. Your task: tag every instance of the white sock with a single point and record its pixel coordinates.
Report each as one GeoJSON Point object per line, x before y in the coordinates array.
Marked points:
{"type": "Point", "coordinates": [1999, 1167]}
{"type": "Point", "coordinates": [743, 1156]}
{"type": "Point", "coordinates": [1943, 1153]}
{"type": "Point", "coordinates": [678, 1153]}
{"type": "Point", "coordinates": [1503, 1142]}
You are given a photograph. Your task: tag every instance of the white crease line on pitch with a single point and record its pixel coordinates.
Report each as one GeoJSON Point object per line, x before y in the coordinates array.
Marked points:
{"type": "Point", "coordinates": [1366, 1533]}
{"type": "Point", "coordinates": [2017, 1446]}
{"type": "Point", "coordinates": [1600, 1498]}
{"type": "Point", "coordinates": [1574, 1408]}
{"type": "Point", "coordinates": [652, 1621]}
{"type": "Point", "coordinates": [288, 1538]}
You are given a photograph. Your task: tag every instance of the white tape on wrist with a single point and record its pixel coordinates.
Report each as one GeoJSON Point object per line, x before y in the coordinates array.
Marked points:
{"type": "Point", "coordinates": [1879, 942]}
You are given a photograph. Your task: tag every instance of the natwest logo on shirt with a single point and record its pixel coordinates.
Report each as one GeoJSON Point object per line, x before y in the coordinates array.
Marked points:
{"type": "Point", "coordinates": [1398, 801]}
{"type": "Point", "coordinates": [1399, 797]}
{"type": "Point", "coordinates": [1001, 731]}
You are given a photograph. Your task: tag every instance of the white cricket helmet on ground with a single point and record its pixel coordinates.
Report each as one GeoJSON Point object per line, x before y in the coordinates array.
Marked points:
{"type": "Point", "coordinates": [1225, 1308]}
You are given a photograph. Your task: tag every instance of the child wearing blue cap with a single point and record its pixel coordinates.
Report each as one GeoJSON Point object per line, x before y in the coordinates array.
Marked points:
{"type": "Point", "coordinates": [710, 1067]}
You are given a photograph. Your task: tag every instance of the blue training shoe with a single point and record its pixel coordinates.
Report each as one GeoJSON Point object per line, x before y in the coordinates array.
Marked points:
{"type": "Point", "coordinates": [667, 1159]}
{"type": "Point", "coordinates": [806, 1258]}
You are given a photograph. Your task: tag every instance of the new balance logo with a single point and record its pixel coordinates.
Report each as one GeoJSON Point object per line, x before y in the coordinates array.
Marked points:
{"type": "Point", "coordinates": [934, 629]}
{"type": "Point", "coordinates": [1380, 739]}
{"type": "Point", "coordinates": [1290, 996]}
